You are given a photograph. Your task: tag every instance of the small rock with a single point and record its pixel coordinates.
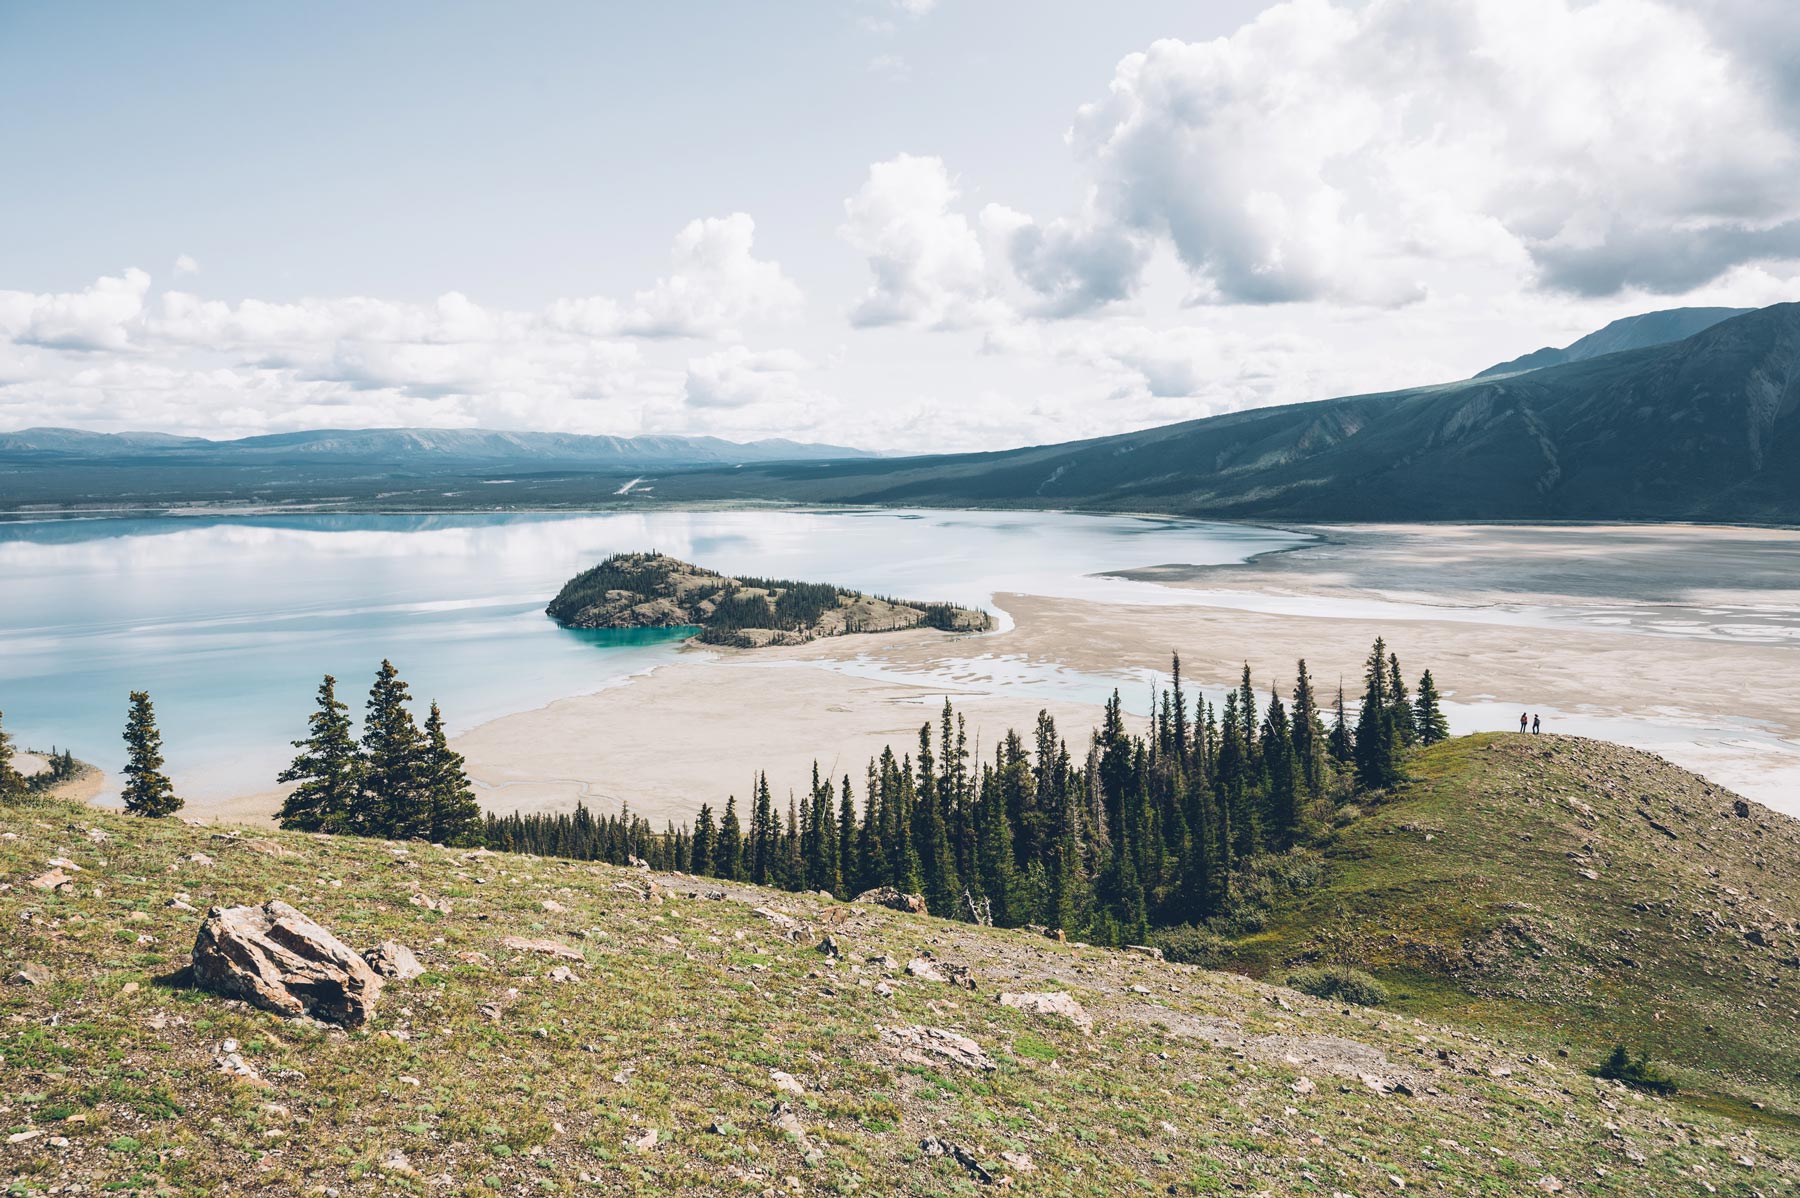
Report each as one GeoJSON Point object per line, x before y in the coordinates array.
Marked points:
{"type": "Point", "coordinates": [1550, 1184]}
{"type": "Point", "coordinates": [642, 1143]}
{"type": "Point", "coordinates": [564, 975]}
{"type": "Point", "coordinates": [1304, 1085]}
{"type": "Point", "coordinates": [549, 948]}
{"type": "Point", "coordinates": [391, 959]}
{"type": "Point", "coordinates": [30, 974]}
{"type": "Point", "coordinates": [920, 1045]}
{"type": "Point", "coordinates": [786, 1082]}
{"type": "Point", "coordinates": [894, 900]}
{"type": "Point", "coordinates": [1145, 950]}
{"type": "Point", "coordinates": [19, 1137]}
{"type": "Point", "coordinates": [830, 947]}
{"type": "Point", "coordinates": [1052, 1003]}
{"type": "Point", "coordinates": [52, 880]}
{"type": "Point", "coordinates": [924, 970]}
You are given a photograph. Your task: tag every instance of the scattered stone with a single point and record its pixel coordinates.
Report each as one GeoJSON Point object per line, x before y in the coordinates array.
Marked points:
{"type": "Point", "coordinates": [429, 903]}
{"type": "Point", "coordinates": [1019, 1160]}
{"type": "Point", "coordinates": [894, 900]}
{"type": "Point", "coordinates": [53, 879]}
{"type": "Point", "coordinates": [830, 947]}
{"type": "Point", "coordinates": [391, 959]}
{"type": "Point", "coordinates": [784, 922]}
{"type": "Point", "coordinates": [200, 859]}
{"type": "Point", "coordinates": [564, 975]}
{"type": "Point", "coordinates": [1740, 808]}
{"type": "Point", "coordinates": [30, 974]}
{"type": "Point", "coordinates": [180, 903]}
{"type": "Point", "coordinates": [276, 958]}
{"type": "Point", "coordinates": [933, 1146]}
{"type": "Point", "coordinates": [924, 970]}
{"type": "Point", "coordinates": [919, 1045]}
{"type": "Point", "coordinates": [1550, 1184]}
{"type": "Point", "coordinates": [786, 1082]}
{"type": "Point", "coordinates": [1304, 1085]}
{"type": "Point", "coordinates": [884, 961]}
{"type": "Point", "coordinates": [231, 1061]}
{"type": "Point", "coordinates": [553, 907]}
{"type": "Point", "coordinates": [1145, 950]}
{"type": "Point", "coordinates": [1052, 1003]}
{"type": "Point", "coordinates": [642, 1143]}
{"type": "Point", "coordinates": [19, 1137]}
{"type": "Point", "coordinates": [549, 948]}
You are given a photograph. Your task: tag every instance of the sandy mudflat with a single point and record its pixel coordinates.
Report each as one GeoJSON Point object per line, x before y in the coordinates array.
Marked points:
{"type": "Point", "coordinates": [695, 731]}
{"type": "Point", "coordinates": [1685, 641]}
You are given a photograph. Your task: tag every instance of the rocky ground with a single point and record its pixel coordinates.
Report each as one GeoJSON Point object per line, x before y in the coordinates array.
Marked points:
{"type": "Point", "coordinates": [583, 1028]}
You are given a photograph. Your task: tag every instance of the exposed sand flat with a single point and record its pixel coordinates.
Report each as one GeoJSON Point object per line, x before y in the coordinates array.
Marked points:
{"type": "Point", "coordinates": [1630, 633]}
{"type": "Point", "coordinates": [695, 731]}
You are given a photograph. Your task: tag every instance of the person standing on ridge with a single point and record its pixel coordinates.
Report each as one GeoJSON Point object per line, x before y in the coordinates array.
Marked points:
{"type": "Point", "coordinates": [1536, 725]}
{"type": "Point", "coordinates": [1521, 721]}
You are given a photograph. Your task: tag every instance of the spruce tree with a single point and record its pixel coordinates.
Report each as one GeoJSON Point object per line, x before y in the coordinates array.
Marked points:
{"type": "Point", "coordinates": [1309, 733]}
{"type": "Point", "coordinates": [1399, 704]}
{"type": "Point", "coordinates": [148, 790]}
{"type": "Point", "coordinates": [394, 800]}
{"type": "Point", "coordinates": [1341, 745]}
{"type": "Point", "coordinates": [1377, 744]}
{"type": "Point", "coordinates": [1428, 719]}
{"type": "Point", "coordinates": [700, 847]}
{"type": "Point", "coordinates": [848, 882]}
{"type": "Point", "coordinates": [728, 859]}
{"type": "Point", "coordinates": [328, 768]}
{"type": "Point", "coordinates": [1283, 773]}
{"type": "Point", "coordinates": [12, 783]}
{"type": "Point", "coordinates": [455, 813]}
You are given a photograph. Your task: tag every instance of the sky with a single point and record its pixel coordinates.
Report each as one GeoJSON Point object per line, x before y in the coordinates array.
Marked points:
{"type": "Point", "coordinates": [902, 225]}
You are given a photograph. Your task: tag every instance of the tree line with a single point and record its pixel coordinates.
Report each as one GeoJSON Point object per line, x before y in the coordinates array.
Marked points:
{"type": "Point", "coordinates": [1121, 834]}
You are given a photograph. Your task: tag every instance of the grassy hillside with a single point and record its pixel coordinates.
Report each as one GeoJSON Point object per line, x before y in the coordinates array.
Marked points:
{"type": "Point", "coordinates": [1585, 892]}
{"type": "Point", "coordinates": [704, 1013]}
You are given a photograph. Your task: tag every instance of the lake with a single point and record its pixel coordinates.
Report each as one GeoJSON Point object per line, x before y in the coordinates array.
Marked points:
{"type": "Point", "coordinates": [229, 622]}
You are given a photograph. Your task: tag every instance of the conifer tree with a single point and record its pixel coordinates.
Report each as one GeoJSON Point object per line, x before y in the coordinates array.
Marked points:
{"type": "Point", "coordinates": [1178, 715]}
{"type": "Point", "coordinates": [1341, 746]}
{"type": "Point", "coordinates": [764, 831]}
{"type": "Point", "coordinates": [455, 813]}
{"type": "Point", "coordinates": [700, 845]}
{"type": "Point", "coordinates": [328, 768]}
{"type": "Point", "coordinates": [394, 800]}
{"type": "Point", "coordinates": [1399, 703]}
{"type": "Point", "coordinates": [1283, 773]}
{"type": "Point", "coordinates": [847, 882]}
{"type": "Point", "coordinates": [147, 790]}
{"type": "Point", "coordinates": [12, 783]}
{"type": "Point", "coordinates": [728, 859]}
{"type": "Point", "coordinates": [1377, 761]}
{"type": "Point", "coordinates": [1428, 719]}
{"type": "Point", "coordinates": [1309, 733]}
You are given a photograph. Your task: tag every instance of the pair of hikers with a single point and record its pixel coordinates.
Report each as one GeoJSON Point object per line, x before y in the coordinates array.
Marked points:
{"type": "Point", "coordinates": [1536, 724]}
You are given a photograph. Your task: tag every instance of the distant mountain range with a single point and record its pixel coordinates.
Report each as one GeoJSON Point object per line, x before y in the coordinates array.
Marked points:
{"type": "Point", "coordinates": [1703, 428]}
{"type": "Point", "coordinates": [404, 447]}
{"type": "Point", "coordinates": [1631, 332]}
{"type": "Point", "coordinates": [1690, 414]}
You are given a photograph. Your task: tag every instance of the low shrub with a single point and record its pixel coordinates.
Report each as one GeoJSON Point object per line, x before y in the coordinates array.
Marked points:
{"type": "Point", "coordinates": [1191, 945]}
{"type": "Point", "coordinates": [1639, 1073]}
{"type": "Point", "coordinates": [1339, 983]}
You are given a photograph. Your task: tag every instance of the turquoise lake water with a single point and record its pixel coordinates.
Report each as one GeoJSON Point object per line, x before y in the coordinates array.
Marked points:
{"type": "Point", "coordinates": [230, 622]}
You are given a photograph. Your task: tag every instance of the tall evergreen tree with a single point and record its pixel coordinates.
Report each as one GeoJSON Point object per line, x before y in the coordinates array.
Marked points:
{"type": "Point", "coordinates": [455, 815]}
{"type": "Point", "coordinates": [1428, 719]}
{"type": "Point", "coordinates": [1377, 743]}
{"type": "Point", "coordinates": [1342, 745]}
{"type": "Point", "coordinates": [1283, 774]}
{"type": "Point", "coordinates": [1309, 733]}
{"type": "Point", "coordinates": [1399, 704]}
{"type": "Point", "coordinates": [394, 800]}
{"type": "Point", "coordinates": [728, 859]}
{"type": "Point", "coordinates": [147, 790]}
{"type": "Point", "coordinates": [328, 768]}
{"type": "Point", "coordinates": [12, 783]}
{"type": "Point", "coordinates": [764, 833]}
{"type": "Point", "coordinates": [700, 845]}
{"type": "Point", "coordinates": [847, 859]}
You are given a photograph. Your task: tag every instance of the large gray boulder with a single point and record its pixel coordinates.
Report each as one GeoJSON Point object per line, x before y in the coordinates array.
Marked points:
{"type": "Point", "coordinates": [278, 959]}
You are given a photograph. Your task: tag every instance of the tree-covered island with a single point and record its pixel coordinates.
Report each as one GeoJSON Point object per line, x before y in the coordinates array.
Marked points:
{"type": "Point", "coordinates": [651, 590]}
